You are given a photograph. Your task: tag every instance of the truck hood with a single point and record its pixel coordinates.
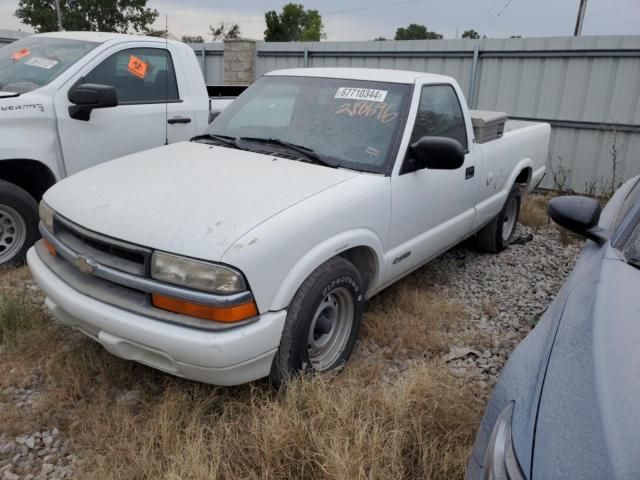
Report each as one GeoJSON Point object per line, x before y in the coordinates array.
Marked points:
{"type": "Point", "coordinates": [188, 198]}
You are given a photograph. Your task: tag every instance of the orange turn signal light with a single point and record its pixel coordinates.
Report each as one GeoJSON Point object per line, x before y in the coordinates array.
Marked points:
{"type": "Point", "coordinates": [50, 247]}
{"type": "Point", "coordinates": [237, 313]}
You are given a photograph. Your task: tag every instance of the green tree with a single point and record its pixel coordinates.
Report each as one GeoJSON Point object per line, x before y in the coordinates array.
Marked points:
{"type": "Point", "coordinates": [416, 32]}
{"type": "Point", "coordinates": [294, 24]}
{"type": "Point", "coordinates": [380, 39]}
{"type": "Point", "coordinates": [224, 30]}
{"type": "Point", "coordinates": [192, 39]}
{"type": "Point", "coordinates": [472, 34]}
{"type": "Point", "coordinates": [89, 15]}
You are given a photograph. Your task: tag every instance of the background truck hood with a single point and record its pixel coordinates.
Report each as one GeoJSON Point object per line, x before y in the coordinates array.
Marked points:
{"type": "Point", "coordinates": [187, 198]}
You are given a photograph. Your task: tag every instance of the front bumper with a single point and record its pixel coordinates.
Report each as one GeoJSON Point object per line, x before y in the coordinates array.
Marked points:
{"type": "Point", "coordinates": [229, 357]}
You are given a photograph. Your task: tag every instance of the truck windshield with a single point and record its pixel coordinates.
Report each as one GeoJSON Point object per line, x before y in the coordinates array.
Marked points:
{"type": "Point", "coordinates": [349, 123]}
{"type": "Point", "coordinates": [33, 62]}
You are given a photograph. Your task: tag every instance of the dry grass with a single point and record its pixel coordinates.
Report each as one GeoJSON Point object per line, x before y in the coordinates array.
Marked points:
{"type": "Point", "coordinates": [533, 212]}
{"type": "Point", "coordinates": [20, 317]}
{"type": "Point", "coordinates": [338, 427]}
{"type": "Point", "coordinates": [410, 319]}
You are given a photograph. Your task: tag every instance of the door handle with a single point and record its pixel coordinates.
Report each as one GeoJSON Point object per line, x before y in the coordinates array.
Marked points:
{"type": "Point", "coordinates": [469, 173]}
{"type": "Point", "coordinates": [179, 120]}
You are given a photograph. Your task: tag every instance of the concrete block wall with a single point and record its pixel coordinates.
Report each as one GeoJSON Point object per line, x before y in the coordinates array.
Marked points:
{"type": "Point", "coordinates": [239, 61]}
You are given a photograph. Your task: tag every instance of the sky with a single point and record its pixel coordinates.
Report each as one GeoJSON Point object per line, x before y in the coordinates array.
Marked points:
{"type": "Point", "coordinates": [365, 20]}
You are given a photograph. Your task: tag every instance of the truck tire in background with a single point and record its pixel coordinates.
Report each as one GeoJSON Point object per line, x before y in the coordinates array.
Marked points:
{"type": "Point", "coordinates": [497, 235]}
{"type": "Point", "coordinates": [18, 224]}
{"type": "Point", "coordinates": [322, 323]}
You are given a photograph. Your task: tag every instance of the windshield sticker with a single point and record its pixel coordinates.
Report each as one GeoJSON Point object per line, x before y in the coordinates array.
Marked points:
{"type": "Point", "coordinates": [137, 66]}
{"type": "Point", "coordinates": [41, 62]}
{"type": "Point", "coordinates": [361, 94]}
{"type": "Point", "coordinates": [20, 54]}
{"type": "Point", "coordinates": [381, 111]}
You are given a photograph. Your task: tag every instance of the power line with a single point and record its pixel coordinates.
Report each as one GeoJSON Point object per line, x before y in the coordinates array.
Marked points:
{"type": "Point", "coordinates": [487, 15]}
{"type": "Point", "coordinates": [506, 5]}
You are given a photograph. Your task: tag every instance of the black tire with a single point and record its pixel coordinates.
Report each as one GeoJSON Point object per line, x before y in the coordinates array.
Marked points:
{"type": "Point", "coordinates": [491, 237]}
{"type": "Point", "coordinates": [18, 224]}
{"type": "Point", "coordinates": [335, 277]}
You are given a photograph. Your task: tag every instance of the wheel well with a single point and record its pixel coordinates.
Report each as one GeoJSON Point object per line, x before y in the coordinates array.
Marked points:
{"type": "Point", "coordinates": [32, 176]}
{"type": "Point", "coordinates": [524, 177]}
{"type": "Point", "coordinates": [364, 259]}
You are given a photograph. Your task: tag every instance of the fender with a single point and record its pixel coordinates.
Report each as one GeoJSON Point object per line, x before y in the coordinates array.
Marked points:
{"type": "Point", "coordinates": [489, 208]}
{"type": "Point", "coordinates": [321, 253]}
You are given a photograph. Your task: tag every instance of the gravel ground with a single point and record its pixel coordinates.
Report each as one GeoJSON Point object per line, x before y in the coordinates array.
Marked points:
{"type": "Point", "coordinates": [503, 296]}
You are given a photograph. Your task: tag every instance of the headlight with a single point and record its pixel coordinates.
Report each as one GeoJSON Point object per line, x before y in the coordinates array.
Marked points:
{"type": "Point", "coordinates": [500, 462]}
{"type": "Point", "coordinates": [196, 274]}
{"type": "Point", "coordinates": [46, 215]}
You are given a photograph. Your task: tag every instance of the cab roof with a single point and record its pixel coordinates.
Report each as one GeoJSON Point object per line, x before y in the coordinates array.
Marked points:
{"type": "Point", "coordinates": [372, 74]}
{"type": "Point", "coordinates": [102, 37]}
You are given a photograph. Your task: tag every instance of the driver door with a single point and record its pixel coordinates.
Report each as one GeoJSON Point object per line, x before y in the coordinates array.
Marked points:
{"type": "Point", "coordinates": [432, 209]}
{"type": "Point", "coordinates": [149, 94]}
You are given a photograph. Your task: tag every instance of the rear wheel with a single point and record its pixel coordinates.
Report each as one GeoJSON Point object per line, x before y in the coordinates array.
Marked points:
{"type": "Point", "coordinates": [497, 235]}
{"type": "Point", "coordinates": [18, 223]}
{"type": "Point", "coordinates": [322, 322]}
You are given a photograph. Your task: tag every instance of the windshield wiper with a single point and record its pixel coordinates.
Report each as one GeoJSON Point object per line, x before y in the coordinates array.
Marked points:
{"type": "Point", "coordinates": [224, 139]}
{"type": "Point", "coordinates": [308, 153]}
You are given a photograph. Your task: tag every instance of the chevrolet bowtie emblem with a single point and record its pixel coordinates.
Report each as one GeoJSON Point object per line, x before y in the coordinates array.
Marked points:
{"type": "Point", "coordinates": [84, 264]}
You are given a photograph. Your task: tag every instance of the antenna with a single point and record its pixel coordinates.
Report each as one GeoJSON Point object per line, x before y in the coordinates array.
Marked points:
{"type": "Point", "coordinates": [166, 83]}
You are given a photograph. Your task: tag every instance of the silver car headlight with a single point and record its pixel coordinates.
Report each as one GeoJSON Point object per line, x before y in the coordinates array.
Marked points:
{"type": "Point", "coordinates": [46, 215]}
{"type": "Point", "coordinates": [196, 274]}
{"type": "Point", "coordinates": [500, 462]}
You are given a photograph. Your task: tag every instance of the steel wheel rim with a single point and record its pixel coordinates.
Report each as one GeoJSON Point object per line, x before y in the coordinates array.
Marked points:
{"type": "Point", "coordinates": [509, 222]}
{"type": "Point", "coordinates": [330, 328]}
{"type": "Point", "coordinates": [13, 233]}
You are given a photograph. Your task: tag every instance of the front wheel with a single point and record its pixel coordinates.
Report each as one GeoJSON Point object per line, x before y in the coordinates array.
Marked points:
{"type": "Point", "coordinates": [497, 235]}
{"type": "Point", "coordinates": [322, 322]}
{"type": "Point", "coordinates": [18, 223]}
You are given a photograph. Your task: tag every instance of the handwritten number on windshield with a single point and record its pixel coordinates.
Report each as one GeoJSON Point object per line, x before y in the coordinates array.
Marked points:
{"type": "Point", "coordinates": [381, 111]}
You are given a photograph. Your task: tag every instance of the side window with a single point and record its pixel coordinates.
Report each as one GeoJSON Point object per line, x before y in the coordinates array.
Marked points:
{"type": "Point", "coordinates": [440, 115]}
{"type": "Point", "coordinates": [139, 75]}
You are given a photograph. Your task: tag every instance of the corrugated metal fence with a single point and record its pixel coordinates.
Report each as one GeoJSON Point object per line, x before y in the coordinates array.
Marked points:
{"type": "Point", "coordinates": [588, 88]}
{"type": "Point", "coordinates": [211, 58]}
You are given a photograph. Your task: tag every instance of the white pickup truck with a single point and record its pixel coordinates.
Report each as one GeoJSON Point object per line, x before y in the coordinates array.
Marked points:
{"type": "Point", "coordinates": [250, 251]}
{"type": "Point", "coordinates": [54, 92]}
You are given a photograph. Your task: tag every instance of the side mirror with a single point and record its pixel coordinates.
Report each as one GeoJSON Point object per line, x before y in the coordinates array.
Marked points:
{"type": "Point", "coordinates": [87, 96]}
{"type": "Point", "coordinates": [438, 153]}
{"type": "Point", "coordinates": [579, 215]}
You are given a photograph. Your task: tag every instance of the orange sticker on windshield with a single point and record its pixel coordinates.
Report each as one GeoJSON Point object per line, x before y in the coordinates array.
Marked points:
{"type": "Point", "coordinates": [137, 67]}
{"type": "Point", "coordinates": [20, 54]}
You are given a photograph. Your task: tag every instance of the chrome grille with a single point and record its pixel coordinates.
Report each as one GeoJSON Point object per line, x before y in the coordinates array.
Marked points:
{"type": "Point", "coordinates": [110, 252]}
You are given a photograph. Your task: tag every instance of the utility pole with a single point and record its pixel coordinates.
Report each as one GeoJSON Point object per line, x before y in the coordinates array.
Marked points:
{"type": "Point", "coordinates": [59, 15]}
{"type": "Point", "coordinates": [580, 21]}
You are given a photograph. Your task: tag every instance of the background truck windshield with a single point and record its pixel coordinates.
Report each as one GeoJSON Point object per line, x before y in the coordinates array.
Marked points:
{"type": "Point", "coordinates": [33, 62]}
{"type": "Point", "coordinates": [354, 123]}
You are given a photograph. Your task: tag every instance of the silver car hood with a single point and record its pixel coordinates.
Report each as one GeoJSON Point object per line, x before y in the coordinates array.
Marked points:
{"type": "Point", "coordinates": [589, 414]}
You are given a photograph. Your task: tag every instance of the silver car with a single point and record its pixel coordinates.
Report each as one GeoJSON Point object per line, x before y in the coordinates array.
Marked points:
{"type": "Point", "coordinates": [567, 404]}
